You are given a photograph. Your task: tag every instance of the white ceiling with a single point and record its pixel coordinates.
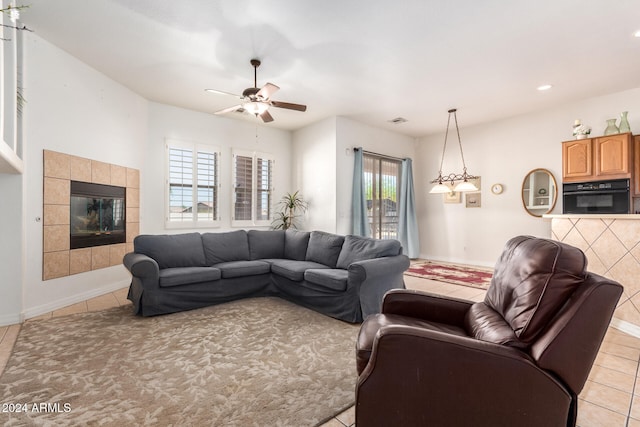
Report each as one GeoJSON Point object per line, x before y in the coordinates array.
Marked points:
{"type": "Point", "coordinates": [371, 60]}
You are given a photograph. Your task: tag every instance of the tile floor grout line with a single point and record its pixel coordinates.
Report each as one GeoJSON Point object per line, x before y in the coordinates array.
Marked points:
{"type": "Point", "coordinates": [633, 390]}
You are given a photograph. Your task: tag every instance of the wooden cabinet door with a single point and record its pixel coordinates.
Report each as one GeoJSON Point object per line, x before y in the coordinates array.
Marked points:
{"type": "Point", "coordinates": [577, 160]}
{"type": "Point", "coordinates": [636, 165]}
{"type": "Point", "coordinates": [613, 158]}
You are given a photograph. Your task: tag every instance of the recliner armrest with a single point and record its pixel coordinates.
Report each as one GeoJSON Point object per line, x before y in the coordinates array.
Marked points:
{"type": "Point", "coordinates": [426, 306]}
{"type": "Point", "coordinates": [417, 376]}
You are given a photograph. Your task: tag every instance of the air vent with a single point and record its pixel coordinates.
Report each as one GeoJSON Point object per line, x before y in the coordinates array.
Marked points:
{"type": "Point", "coordinates": [398, 120]}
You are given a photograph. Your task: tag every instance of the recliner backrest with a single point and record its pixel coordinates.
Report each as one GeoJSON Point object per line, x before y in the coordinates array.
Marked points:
{"type": "Point", "coordinates": [532, 280]}
{"type": "Point", "coordinates": [571, 341]}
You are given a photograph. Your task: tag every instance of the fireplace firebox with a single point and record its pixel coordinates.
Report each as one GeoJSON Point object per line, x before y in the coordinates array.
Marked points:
{"type": "Point", "coordinates": [97, 215]}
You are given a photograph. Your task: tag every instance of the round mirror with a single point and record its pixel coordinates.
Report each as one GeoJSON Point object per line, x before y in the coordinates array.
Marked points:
{"type": "Point", "coordinates": [539, 192]}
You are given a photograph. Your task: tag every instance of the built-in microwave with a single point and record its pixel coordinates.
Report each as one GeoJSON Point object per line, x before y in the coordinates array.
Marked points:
{"type": "Point", "coordinates": [598, 197]}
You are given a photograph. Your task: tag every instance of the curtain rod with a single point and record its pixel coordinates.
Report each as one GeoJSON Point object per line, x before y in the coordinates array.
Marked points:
{"type": "Point", "coordinates": [384, 156]}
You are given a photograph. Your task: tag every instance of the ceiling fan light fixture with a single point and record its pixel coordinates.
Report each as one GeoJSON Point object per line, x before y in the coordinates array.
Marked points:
{"type": "Point", "coordinates": [255, 107]}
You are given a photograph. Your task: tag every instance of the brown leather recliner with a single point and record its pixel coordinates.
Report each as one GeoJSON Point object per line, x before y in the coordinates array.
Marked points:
{"type": "Point", "coordinates": [519, 358]}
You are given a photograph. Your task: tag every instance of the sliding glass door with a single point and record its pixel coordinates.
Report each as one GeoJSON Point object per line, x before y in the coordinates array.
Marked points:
{"type": "Point", "coordinates": [382, 189]}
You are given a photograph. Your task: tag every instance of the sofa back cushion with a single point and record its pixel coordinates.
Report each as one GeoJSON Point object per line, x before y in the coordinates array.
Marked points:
{"type": "Point", "coordinates": [324, 248]}
{"type": "Point", "coordinates": [356, 248]}
{"type": "Point", "coordinates": [225, 247]}
{"type": "Point", "coordinates": [265, 244]}
{"type": "Point", "coordinates": [532, 280]}
{"type": "Point", "coordinates": [295, 244]}
{"type": "Point", "coordinates": [172, 250]}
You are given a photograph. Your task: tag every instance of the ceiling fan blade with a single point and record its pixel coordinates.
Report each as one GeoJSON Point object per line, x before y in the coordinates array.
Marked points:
{"type": "Point", "coordinates": [289, 106]}
{"type": "Point", "coordinates": [229, 110]}
{"type": "Point", "coordinates": [267, 90]}
{"type": "Point", "coordinates": [221, 92]}
{"type": "Point", "coordinates": [266, 117]}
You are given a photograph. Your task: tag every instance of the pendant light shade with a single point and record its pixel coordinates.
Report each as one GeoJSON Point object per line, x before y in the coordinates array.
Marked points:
{"type": "Point", "coordinates": [462, 179]}
{"type": "Point", "coordinates": [465, 186]}
{"type": "Point", "coordinates": [441, 189]}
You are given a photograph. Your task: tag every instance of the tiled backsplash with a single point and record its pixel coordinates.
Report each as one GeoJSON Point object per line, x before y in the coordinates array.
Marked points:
{"type": "Point", "coordinates": [59, 170]}
{"type": "Point", "coordinates": [612, 247]}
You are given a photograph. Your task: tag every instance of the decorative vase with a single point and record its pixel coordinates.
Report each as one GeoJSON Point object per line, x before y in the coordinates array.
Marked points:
{"type": "Point", "coordinates": [611, 127]}
{"type": "Point", "coordinates": [581, 136]}
{"type": "Point", "coordinates": [624, 123]}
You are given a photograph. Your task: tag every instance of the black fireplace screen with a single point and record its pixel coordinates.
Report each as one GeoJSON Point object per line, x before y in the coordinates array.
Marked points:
{"type": "Point", "coordinates": [97, 215]}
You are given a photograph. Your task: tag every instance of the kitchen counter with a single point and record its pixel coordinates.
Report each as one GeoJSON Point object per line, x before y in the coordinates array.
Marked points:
{"type": "Point", "coordinates": [592, 216]}
{"type": "Point", "coordinates": [612, 246]}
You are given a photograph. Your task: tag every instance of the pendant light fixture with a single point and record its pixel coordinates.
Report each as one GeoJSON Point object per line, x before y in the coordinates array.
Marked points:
{"type": "Point", "coordinates": [463, 179]}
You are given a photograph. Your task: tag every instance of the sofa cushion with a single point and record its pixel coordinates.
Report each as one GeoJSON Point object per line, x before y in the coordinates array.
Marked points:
{"type": "Point", "coordinates": [172, 250]}
{"type": "Point", "coordinates": [295, 244]}
{"type": "Point", "coordinates": [225, 247]}
{"type": "Point", "coordinates": [330, 278]}
{"type": "Point", "coordinates": [293, 270]}
{"type": "Point", "coordinates": [533, 279]}
{"type": "Point", "coordinates": [242, 268]}
{"type": "Point", "coordinates": [266, 244]}
{"type": "Point", "coordinates": [356, 248]}
{"type": "Point", "coordinates": [185, 275]}
{"type": "Point", "coordinates": [324, 248]}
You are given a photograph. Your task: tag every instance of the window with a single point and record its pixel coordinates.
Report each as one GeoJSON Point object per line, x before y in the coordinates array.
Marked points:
{"type": "Point", "coordinates": [382, 189]}
{"type": "Point", "coordinates": [192, 185]}
{"type": "Point", "coordinates": [253, 188]}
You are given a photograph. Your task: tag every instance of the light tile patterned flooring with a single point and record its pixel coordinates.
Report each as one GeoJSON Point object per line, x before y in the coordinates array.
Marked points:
{"type": "Point", "coordinates": [608, 399]}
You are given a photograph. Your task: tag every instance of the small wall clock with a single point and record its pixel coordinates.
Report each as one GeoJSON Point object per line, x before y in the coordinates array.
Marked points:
{"type": "Point", "coordinates": [496, 188]}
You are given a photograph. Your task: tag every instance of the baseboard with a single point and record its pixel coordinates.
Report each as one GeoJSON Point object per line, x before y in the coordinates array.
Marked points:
{"type": "Point", "coordinates": [626, 327]}
{"type": "Point", "coordinates": [64, 302]}
{"type": "Point", "coordinates": [10, 319]}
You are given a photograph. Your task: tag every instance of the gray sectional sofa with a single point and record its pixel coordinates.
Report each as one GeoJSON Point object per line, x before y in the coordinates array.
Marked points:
{"type": "Point", "coordinates": [343, 277]}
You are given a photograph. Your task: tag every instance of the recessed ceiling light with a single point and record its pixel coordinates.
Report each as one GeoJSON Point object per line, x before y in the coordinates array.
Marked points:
{"type": "Point", "coordinates": [544, 87]}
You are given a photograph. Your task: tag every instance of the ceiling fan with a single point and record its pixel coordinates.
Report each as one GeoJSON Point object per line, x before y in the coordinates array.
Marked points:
{"type": "Point", "coordinates": [257, 101]}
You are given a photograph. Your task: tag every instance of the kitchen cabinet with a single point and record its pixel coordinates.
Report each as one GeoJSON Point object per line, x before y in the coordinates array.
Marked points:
{"type": "Point", "coordinates": [597, 159]}
{"type": "Point", "coordinates": [636, 166]}
{"type": "Point", "coordinates": [577, 160]}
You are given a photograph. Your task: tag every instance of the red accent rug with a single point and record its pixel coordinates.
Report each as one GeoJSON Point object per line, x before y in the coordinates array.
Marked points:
{"type": "Point", "coordinates": [475, 277]}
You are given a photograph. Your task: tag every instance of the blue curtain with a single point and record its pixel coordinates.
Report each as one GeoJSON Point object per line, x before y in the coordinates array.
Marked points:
{"type": "Point", "coordinates": [359, 221]}
{"type": "Point", "coordinates": [407, 221]}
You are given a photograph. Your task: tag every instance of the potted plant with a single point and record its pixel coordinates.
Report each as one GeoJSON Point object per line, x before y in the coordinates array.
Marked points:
{"type": "Point", "coordinates": [581, 131]}
{"type": "Point", "coordinates": [291, 205]}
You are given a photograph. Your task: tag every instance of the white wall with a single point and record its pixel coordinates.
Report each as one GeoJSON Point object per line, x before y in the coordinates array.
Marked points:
{"type": "Point", "coordinates": [11, 259]}
{"type": "Point", "coordinates": [185, 125]}
{"type": "Point", "coordinates": [314, 173]}
{"type": "Point", "coordinates": [73, 109]}
{"type": "Point", "coordinates": [502, 152]}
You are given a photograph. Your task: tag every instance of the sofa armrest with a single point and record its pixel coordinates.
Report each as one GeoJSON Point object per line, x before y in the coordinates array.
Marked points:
{"type": "Point", "coordinates": [417, 376]}
{"type": "Point", "coordinates": [143, 267]}
{"type": "Point", "coordinates": [423, 305]}
{"type": "Point", "coordinates": [374, 277]}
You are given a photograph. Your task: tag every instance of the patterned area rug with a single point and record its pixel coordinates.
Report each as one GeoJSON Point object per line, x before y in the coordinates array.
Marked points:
{"type": "Point", "coordinates": [476, 277]}
{"type": "Point", "coordinates": [254, 362]}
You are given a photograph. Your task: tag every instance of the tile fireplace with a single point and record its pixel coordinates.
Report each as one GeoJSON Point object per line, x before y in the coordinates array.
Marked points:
{"type": "Point", "coordinates": [86, 226]}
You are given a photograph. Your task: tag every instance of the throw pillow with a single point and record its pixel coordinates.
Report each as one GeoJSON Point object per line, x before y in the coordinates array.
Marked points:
{"type": "Point", "coordinates": [324, 248]}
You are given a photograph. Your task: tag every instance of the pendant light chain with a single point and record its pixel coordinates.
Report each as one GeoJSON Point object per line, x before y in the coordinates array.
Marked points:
{"type": "Point", "coordinates": [455, 118]}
